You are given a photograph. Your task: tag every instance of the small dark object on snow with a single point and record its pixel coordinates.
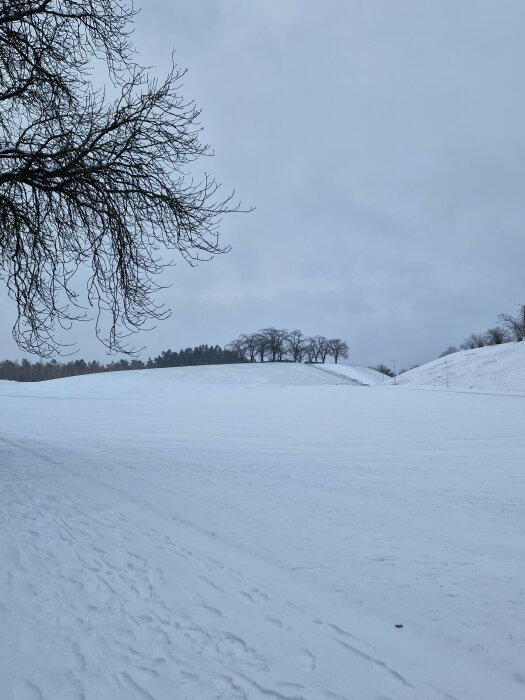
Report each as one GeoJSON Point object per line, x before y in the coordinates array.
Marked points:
{"type": "Point", "coordinates": [399, 626]}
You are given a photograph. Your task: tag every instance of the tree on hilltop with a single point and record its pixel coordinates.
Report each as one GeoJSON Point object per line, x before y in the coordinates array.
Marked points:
{"type": "Point", "coordinates": [338, 348]}
{"type": "Point", "coordinates": [296, 343]}
{"type": "Point", "coordinates": [274, 341]}
{"type": "Point", "coordinates": [514, 325]}
{"type": "Point", "coordinates": [496, 336]}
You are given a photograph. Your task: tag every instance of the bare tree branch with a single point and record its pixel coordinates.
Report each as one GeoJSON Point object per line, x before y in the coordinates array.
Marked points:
{"type": "Point", "coordinates": [86, 181]}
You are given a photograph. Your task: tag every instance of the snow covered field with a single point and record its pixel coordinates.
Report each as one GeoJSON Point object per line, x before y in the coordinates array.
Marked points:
{"type": "Point", "coordinates": [258, 532]}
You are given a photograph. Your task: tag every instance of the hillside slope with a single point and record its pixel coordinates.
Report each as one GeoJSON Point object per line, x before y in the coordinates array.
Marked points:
{"type": "Point", "coordinates": [497, 368]}
{"type": "Point", "coordinates": [364, 375]}
{"type": "Point", "coordinates": [202, 378]}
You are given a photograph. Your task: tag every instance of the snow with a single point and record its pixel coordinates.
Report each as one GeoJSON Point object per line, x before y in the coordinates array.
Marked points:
{"type": "Point", "coordinates": [362, 375]}
{"type": "Point", "coordinates": [497, 368]}
{"type": "Point", "coordinates": [257, 531]}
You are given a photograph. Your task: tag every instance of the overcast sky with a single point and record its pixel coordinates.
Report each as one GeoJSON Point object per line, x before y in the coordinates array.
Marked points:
{"type": "Point", "coordinates": [382, 143]}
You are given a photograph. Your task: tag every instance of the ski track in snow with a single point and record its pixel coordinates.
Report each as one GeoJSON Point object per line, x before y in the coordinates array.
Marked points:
{"type": "Point", "coordinates": [86, 589]}
{"type": "Point", "coordinates": [111, 587]}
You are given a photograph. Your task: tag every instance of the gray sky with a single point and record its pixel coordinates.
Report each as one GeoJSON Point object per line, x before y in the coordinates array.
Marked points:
{"type": "Point", "coordinates": [382, 143]}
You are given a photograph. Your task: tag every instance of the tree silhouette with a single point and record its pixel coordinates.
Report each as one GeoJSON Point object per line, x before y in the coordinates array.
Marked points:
{"type": "Point", "coordinates": [93, 177]}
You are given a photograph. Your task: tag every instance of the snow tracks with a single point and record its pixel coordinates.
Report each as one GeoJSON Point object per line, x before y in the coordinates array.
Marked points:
{"type": "Point", "coordinates": [102, 596]}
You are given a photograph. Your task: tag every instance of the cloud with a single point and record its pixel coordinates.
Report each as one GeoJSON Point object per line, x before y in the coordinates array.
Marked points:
{"type": "Point", "coordinates": [383, 147]}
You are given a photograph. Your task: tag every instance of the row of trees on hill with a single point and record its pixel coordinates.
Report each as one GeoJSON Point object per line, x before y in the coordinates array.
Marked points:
{"type": "Point", "coordinates": [281, 345]}
{"type": "Point", "coordinates": [509, 329]}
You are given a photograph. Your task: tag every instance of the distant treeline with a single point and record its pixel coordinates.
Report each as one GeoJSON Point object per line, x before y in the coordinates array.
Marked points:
{"type": "Point", "coordinates": [509, 329]}
{"type": "Point", "coordinates": [200, 355]}
{"type": "Point", "coordinates": [27, 371]}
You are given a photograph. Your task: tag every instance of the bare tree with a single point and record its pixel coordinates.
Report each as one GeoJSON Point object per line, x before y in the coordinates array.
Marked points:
{"type": "Point", "coordinates": [338, 348]}
{"type": "Point", "coordinates": [245, 346]}
{"type": "Point", "coordinates": [239, 347]}
{"type": "Point", "coordinates": [274, 340]}
{"type": "Point", "coordinates": [515, 325]}
{"type": "Point", "coordinates": [310, 349]}
{"type": "Point", "coordinates": [319, 345]}
{"type": "Point", "coordinates": [296, 343]}
{"type": "Point", "coordinates": [475, 340]}
{"type": "Point", "coordinates": [449, 351]}
{"type": "Point", "coordinates": [251, 345]}
{"type": "Point", "coordinates": [496, 336]}
{"type": "Point", "coordinates": [92, 180]}
{"type": "Point", "coordinates": [261, 342]}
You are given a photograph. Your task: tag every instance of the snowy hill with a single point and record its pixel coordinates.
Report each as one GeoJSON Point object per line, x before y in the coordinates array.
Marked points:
{"type": "Point", "coordinates": [260, 531]}
{"type": "Point", "coordinates": [358, 373]}
{"type": "Point", "coordinates": [497, 368]}
{"type": "Point", "coordinates": [204, 378]}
